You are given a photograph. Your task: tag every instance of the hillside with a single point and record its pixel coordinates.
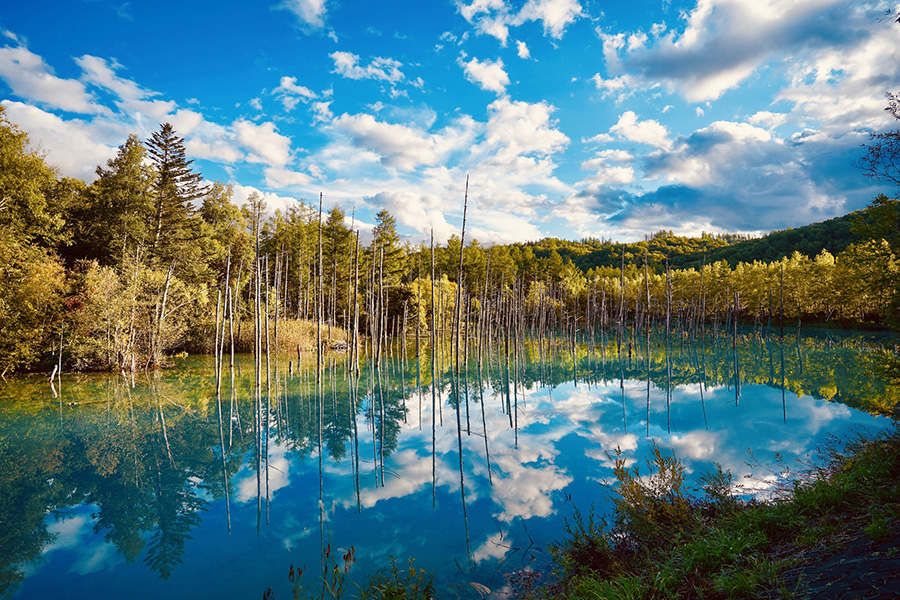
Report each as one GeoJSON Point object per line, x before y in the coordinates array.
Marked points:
{"type": "Point", "coordinates": [833, 235]}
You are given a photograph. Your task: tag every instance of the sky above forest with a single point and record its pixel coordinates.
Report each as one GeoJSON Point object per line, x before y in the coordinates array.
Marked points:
{"type": "Point", "coordinates": [571, 118]}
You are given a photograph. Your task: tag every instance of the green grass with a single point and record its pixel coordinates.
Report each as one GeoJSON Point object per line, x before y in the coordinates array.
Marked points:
{"type": "Point", "coordinates": [663, 543]}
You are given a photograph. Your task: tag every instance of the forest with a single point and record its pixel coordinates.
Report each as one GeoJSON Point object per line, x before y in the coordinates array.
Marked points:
{"type": "Point", "coordinates": [144, 261]}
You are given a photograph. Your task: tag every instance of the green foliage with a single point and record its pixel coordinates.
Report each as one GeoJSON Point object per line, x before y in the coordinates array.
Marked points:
{"type": "Point", "coordinates": [395, 583]}
{"type": "Point", "coordinates": [586, 549]}
{"type": "Point", "coordinates": [388, 583]}
{"type": "Point", "coordinates": [881, 220]}
{"type": "Point", "coordinates": [140, 218]}
{"type": "Point", "coordinates": [652, 510]}
{"type": "Point", "coordinates": [113, 219]}
{"type": "Point", "coordinates": [174, 226]}
{"type": "Point", "coordinates": [129, 316]}
{"type": "Point", "coordinates": [28, 213]}
{"type": "Point", "coordinates": [386, 249]}
{"type": "Point", "coordinates": [420, 301]}
{"type": "Point", "coordinates": [32, 287]}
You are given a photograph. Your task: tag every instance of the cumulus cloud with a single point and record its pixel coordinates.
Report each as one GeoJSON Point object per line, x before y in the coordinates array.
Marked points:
{"type": "Point", "coordinates": [281, 178]}
{"type": "Point", "coordinates": [264, 142]}
{"type": "Point", "coordinates": [522, 50]}
{"type": "Point", "coordinates": [842, 86]}
{"type": "Point", "coordinates": [516, 128]}
{"type": "Point", "coordinates": [554, 15]}
{"type": "Point", "coordinates": [291, 94]}
{"type": "Point", "coordinates": [649, 132]}
{"type": "Point", "coordinates": [32, 79]}
{"type": "Point", "coordinates": [619, 87]}
{"type": "Point", "coordinates": [723, 177]}
{"type": "Point", "coordinates": [241, 193]}
{"type": "Point", "coordinates": [346, 64]}
{"type": "Point", "coordinates": [399, 146]}
{"type": "Point", "coordinates": [420, 212]}
{"type": "Point", "coordinates": [71, 145]}
{"type": "Point", "coordinates": [488, 75]}
{"type": "Point", "coordinates": [724, 42]}
{"type": "Point", "coordinates": [708, 153]}
{"type": "Point", "coordinates": [610, 167]}
{"type": "Point", "coordinates": [495, 17]}
{"type": "Point", "coordinates": [310, 12]}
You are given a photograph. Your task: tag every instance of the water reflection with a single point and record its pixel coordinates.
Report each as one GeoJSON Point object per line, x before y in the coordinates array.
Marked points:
{"type": "Point", "coordinates": [160, 487]}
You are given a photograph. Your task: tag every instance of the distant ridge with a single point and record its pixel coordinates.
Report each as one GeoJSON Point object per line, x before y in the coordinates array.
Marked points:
{"type": "Point", "coordinates": [833, 235]}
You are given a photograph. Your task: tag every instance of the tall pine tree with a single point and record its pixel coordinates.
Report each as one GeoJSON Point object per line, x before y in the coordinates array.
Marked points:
{"type": "Point", "coordinates": [175, 188]}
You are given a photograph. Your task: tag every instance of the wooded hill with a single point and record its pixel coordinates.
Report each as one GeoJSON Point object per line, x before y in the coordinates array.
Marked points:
{"type": "Point", "coordinates": [833, 236]}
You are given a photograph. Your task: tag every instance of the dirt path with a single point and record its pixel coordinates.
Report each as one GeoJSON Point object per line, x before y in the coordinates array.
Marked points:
{"type": "Point", "coordinates": [848, 566]}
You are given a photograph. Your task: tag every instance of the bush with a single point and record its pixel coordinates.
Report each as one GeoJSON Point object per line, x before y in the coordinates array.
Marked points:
{"type": "Point", "coordinates": [652, 511]}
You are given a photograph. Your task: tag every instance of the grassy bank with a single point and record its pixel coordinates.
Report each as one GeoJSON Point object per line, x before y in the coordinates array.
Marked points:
{"type": "Point", "coordinates": [834, 534]}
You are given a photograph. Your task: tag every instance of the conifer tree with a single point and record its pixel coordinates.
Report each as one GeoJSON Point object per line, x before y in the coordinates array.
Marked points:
{"type": "Point", "coordinates": [337, 249]}
{"type": "Point", "coordinates": [387, 241]}
{"type": "Point", "coordinates": [113, 220]}
{"type": "Point", "coordinates": [175, 188]}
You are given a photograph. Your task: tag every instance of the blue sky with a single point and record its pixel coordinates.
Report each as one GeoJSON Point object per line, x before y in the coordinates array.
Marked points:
{"type": "Point", "coordinates": [572, 118]}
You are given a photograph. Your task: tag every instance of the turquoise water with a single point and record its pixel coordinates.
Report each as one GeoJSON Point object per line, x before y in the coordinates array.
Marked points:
{"type": "Point", "coordinates": [110, 486]}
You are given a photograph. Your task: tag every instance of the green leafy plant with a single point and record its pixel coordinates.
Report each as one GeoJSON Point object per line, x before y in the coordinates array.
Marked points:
{"type": "Point", "coordinates": [651, 511]}
{"type": "Point", "coordinates": [586, 548]}
{"type": "Point", "coordinates": [396, 583]}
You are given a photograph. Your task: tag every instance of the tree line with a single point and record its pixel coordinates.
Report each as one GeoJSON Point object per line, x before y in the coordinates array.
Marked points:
{"type": "Point", "coordinates": [121, 272]}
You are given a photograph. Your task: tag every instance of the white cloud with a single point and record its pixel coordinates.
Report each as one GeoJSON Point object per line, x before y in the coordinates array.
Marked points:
{"type": "Point", "coordinates": [77, 532]}
{"type": "Point", "coordinates": [721, 44]}
{"type": "Point", "coordinates": [322, 111]}
{"type": "Point", "coordinates": [488, 75]}
{"type": "Point", "coordinates": [212, 142]}
{"type": "Point", "coordinates": [555, 15]}
{"type": "Point", "coordinates": [493, 548]}
{"type": "Point", "coordinates": [280, 178]}
{"type": "Point", "coordinates": [843, 87]}
{"type": "Point", "coordinates": [515, 128]}
{"type": "Point", "coordinates": [606, 174]}
{"type": "Point", "coordinates": [99, 72]}
{"type": "Point", "coordinates": [399, 146]}
{"type": "Point", "coordinates": [649, 132]}
{"type": "Point", "coordinates": [477, 7]}
{"type": "Point", "coordinates": [292, 94]}
{"type": "Point", "coordinates": [712, 153]}
{"type": "Point", "coordinates": [268, 145]}
{"type": "Point", "coordinates": [420, 212]}
{"type": "Point", "coordinates": [31, 78]}
{"type": "Point", "coordinates": [310, 12]}
{"type": "Point", "coordinates": [502, 227]}
{"type": "Point", "coordinates": [768, 119]}
{"type": "Point", "coordinates": [132, 100]}
{"type": "Point", "coordinates": [522, 50]}
{"type": "Point", "coordinates": [241, 193]}
{"type": "Point", "coordinates": [495, 17]}
{"type": "Point", "coordinates": [347, 65]}
{"type": "Point", "coordinates": [524, 491]}
{"type": "Point", "coordinates": [71, 145]}
{"type": "Point", "coordinates": [620, 87]}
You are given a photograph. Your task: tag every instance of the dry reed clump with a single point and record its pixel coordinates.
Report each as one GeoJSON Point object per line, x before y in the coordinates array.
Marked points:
{"type": "Point", "coordinates": [291, 333]}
